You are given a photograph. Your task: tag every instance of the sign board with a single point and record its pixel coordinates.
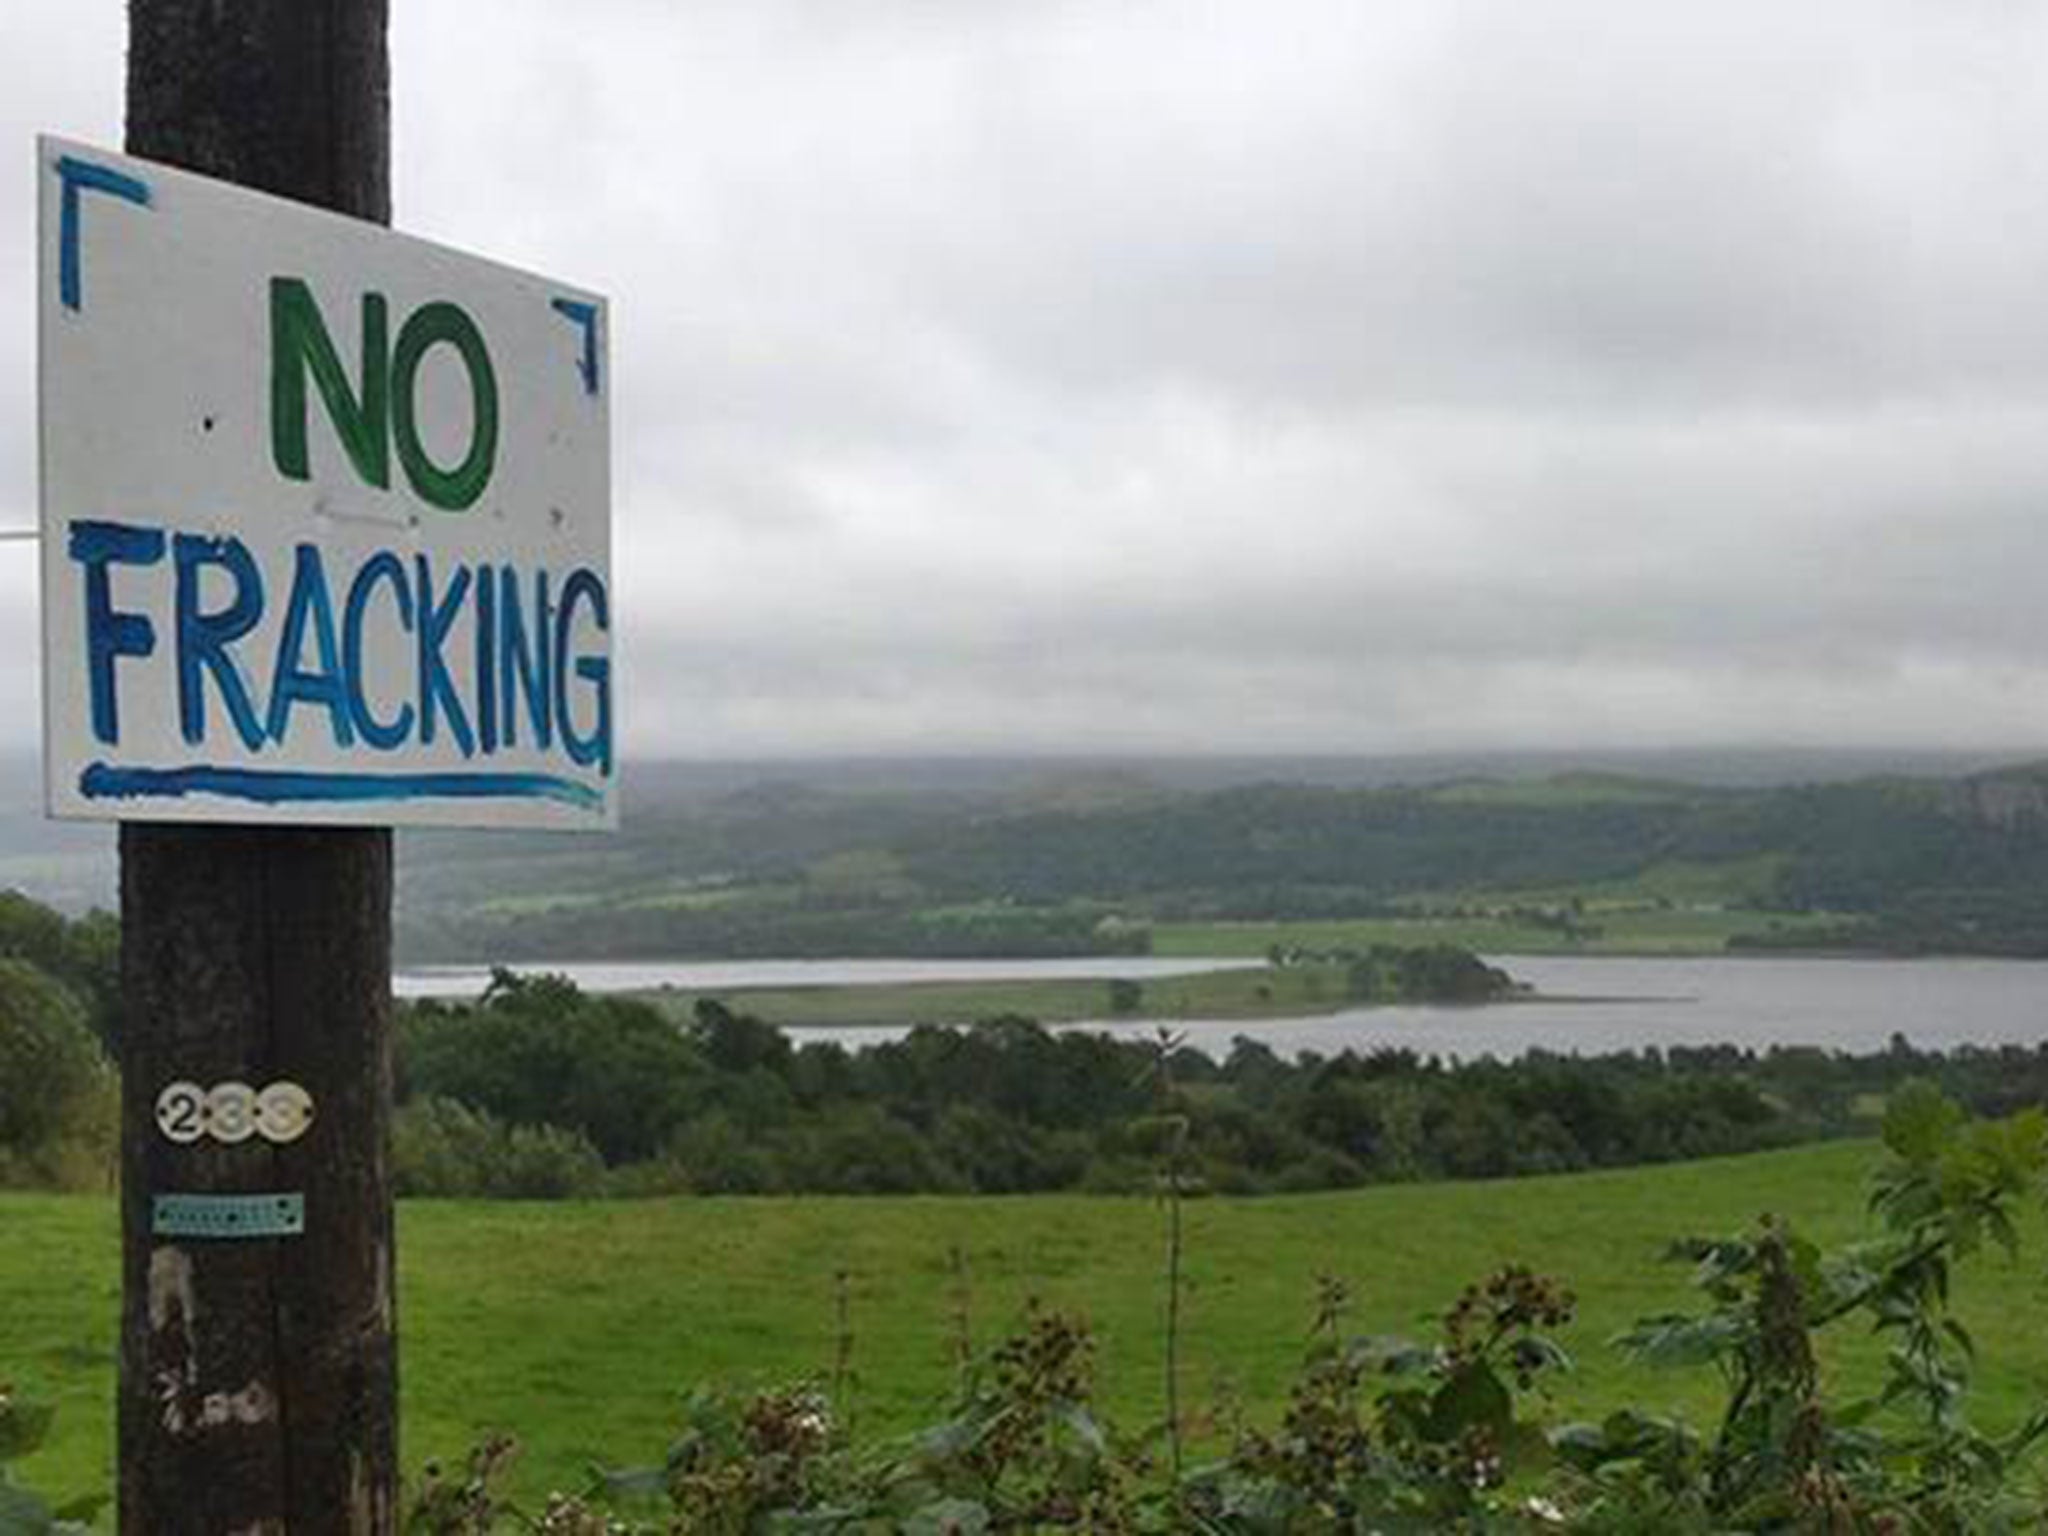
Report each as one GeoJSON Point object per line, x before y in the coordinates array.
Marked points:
{"type": "Point", "coordinates": [325, 516]}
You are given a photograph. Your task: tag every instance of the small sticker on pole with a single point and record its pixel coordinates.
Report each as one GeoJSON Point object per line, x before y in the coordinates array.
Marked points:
{"type": "Point", "coordinates": [228, 1216]}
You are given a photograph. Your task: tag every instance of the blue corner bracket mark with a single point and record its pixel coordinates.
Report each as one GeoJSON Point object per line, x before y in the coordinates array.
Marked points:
{"type": "Point", "coordinates": [105, 781]}
{"type": "Point", "coordinates": [80, 176]}
{"type": "Point", "coordinates": [583, 314]}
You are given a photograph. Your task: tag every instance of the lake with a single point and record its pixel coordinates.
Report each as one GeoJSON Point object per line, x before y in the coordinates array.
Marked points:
{"type": "Point", "coordinates": [1585, 1004]}
{"type": "Point", "coordinates": [711, 975]}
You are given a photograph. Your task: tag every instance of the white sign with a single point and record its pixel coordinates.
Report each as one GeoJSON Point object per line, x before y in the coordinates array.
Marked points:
{"type": "Point", "coordinates": [325, 516]}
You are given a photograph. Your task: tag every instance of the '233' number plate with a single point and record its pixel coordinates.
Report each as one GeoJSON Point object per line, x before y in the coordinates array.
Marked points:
{"type": "Point", "coordinates": [233, 1112]}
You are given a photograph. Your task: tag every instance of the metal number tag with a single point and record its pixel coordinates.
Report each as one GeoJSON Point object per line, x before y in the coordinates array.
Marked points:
{"type": "Point", "coordinates": [283, 1111]}
{"type": "Point", "coordinates": [181, 1112]}
{"type": "Point", "coordinates": [232, 1112]}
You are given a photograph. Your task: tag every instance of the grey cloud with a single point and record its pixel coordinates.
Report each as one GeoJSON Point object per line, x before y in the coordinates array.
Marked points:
{"type": "Point", "coordinates": [1312, 375]}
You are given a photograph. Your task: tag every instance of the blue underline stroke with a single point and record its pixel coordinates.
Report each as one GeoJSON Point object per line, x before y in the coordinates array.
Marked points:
{"type": "Point", "coordinates": [105, 781]}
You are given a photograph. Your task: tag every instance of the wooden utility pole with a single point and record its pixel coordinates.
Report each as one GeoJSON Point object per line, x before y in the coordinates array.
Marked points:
{"type": "Point", "coordinates": [258, 1375]}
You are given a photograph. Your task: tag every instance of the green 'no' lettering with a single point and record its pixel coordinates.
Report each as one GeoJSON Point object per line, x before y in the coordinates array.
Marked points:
{"type": "Point", "coordinates": [299, 345]}
{"type": "Point", "coordinates": [457, 488]}
{"type": "Point", "coordinates": [366, 421]}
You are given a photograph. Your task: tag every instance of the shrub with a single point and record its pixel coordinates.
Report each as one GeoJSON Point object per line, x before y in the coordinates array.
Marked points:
{"type": "Point", "coordinates": [536, 1050]}
{"type": "Point", "coordinates": [440, 1147]}
{"type": "Point", "coordinates": [59, 1105]}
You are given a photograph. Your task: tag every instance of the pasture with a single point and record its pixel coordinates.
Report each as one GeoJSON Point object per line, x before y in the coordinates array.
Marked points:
{"type": "Point", "coordinates": [576, 1326]}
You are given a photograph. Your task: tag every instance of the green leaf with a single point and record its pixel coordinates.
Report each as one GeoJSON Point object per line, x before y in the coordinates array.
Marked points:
{"type": "Point", "coordinates": [629, 1482]}
{"type": "Point", "coordinates": [950, 1439]}
{"type": "Point", "coordinates": [2023, 1439]}
{"type": "Point", "coordinates": [1854, 1414]}
{"type": "Point", "coordinates": [1261, 1506]}
{"type": "Point", "coordinates": [1081, 1423]}
{"type": "Point", "coordinates": [23, 1427]}
{"type": "Point", "coordinates": [1472, 1399]}
{"type": "Point", "coordinates": [1675, 1340]}
{"type": "Point", "coordinates": [1919, 1120]}
{"type": "Point", "coordinates": [1536, 1352]}
{"type": "Point", "coordinates": [82, 1511]}
{"type": "Point", "coordinates": [1581, 1440]}
{"type": "Point", "coordinates": [1716, 1261]}
{"type": "Point", "coordinates": [948, 1517]}
{"type": "Point", "coordinates": [1803, 1257]}
{"type": "Point", "coordinates": [1624, 1435]}
{"type": "Point", "coordinates": [1961, 1335]}
{"type": "Point", "coordinates": [23, 1514]}
{"type": "Point", "coordinates": [1524, 1448]}
{"type": "Point", "coordinates": [1390, 1355]}
{"type": "Point", "coordinates": [2002, 1232]}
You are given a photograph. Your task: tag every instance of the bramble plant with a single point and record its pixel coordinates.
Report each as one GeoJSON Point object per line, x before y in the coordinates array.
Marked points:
{"type": "Point", "coordinates": [1385, 1434]}
{"type": "Point", "coordinates": [1168, 1130]}
{"type": "Point", "coordinates": [1786, 1455]}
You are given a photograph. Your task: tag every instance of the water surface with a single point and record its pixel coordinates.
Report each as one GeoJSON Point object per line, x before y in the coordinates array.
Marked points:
{"type": "Point", "coordinates": [1585, 1004]}
{"type": "Point", "coordinates": [714, 975]}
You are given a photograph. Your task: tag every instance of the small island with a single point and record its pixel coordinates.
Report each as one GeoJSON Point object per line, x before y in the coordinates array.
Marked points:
{"type": "Point", "coordinates": [1292, 983]}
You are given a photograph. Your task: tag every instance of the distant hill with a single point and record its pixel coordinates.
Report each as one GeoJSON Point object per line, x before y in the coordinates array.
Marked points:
{"type": "Point", "coordinates": [1047, 858]}
{"type": "Point", "coordinates": [1053, 855]}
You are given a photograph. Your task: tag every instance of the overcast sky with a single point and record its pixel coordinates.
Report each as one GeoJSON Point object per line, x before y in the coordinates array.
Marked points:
{"type": "Point", "coordinates": [1128, 376]}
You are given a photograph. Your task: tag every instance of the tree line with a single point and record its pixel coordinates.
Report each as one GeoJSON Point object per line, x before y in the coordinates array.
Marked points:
{"type": "Point", "coordinates": [1916, 864]}
{"type": "Point", "coordinates": [539, 1089]}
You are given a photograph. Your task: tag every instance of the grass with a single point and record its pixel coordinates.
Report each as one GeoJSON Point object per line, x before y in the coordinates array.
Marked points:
{"type": "Point", "coordinates": [577, 1325]}
{"type": "Point", "coordinates": [1565, 789]}
{"type": "Point", "coordinates": [1623, 930]}
{"type": "Point", "coordinates": [1748, 882]}
{"type": "Point", "coordinates": [1669, 907]}
{"type": "Point", "coordinates": [1250, 993]}
{"type": "Point", "coordinates": [1674, 907]}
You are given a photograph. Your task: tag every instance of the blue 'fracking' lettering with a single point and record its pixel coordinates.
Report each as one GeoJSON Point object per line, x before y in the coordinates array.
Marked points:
{"type": "Point", "coordinates": [110, 634]}
{"type": "Point", "coordinates": [498, 657]}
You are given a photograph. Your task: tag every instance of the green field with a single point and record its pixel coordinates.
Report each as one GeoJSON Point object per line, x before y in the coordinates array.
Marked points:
{"type": "Point", "coordinates": [1672, 907]}
{"type": "Point", "coordinates": [1750, 882]}
{"type": "Point", "coordinates": [577, 1324]}
{"type": "Point", "coordinates": [1252, 993]}
{"type": "Point", "coordinates": [1623, 930]}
